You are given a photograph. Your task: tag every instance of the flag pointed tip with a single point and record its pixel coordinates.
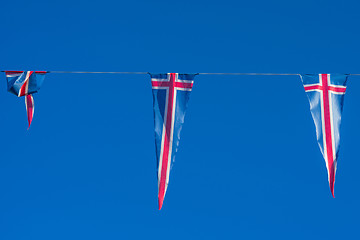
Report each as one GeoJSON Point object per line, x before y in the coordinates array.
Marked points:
{"type": "Point", "coordinates": [332, 189]}
{"type": "Point", "coordinates": [332, 183]}
{"type": "Point", "coordinates": [161, 200]}
{"type": "Point", "coordinates": [29, 103]}
{"type": "Point", "coordinates": [29, 124]}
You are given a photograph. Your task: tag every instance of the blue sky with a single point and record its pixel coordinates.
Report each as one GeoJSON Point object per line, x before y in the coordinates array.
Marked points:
{"type": "Point", "coordinates": [248, 165]}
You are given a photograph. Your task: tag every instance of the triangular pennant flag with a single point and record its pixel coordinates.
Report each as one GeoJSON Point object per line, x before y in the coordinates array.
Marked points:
{"type": "Point", "coordinates": [26, 83]}
{"type": "Point", "coordinates": [171, 93]}
{"type": "Point", "coordinates": [326, 95]}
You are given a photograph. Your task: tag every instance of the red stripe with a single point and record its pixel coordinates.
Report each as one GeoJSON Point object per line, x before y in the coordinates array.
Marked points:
{"type": "Point", "coordinates": [337, 89]}
{"type": "Point", "coordinates": [167, 84]}
{"type": "Point", "coordinates": [183, 85]}
{"type": "Point", "coordinates": [23, 89]}
{"type": "Point", "coordinates": [328, 137]}
{"type": "Point", "coordinates": [29, 108]}
{"type": "Point", "coordinates": [160, 84]}
{"type": "Point", "coordinates": [13, 72]}
{"type": "Point", "coordinates": [331, 88]}
{"type": "Point", "coordinates": [166, 147]}
{"type": "Point", "coordinates": [309, 88]}
{"type": "Point", "coordinates": [39, 72]}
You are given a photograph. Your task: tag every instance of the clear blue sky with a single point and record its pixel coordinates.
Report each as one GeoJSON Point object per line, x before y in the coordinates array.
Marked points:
{"type": "Point", "coordinates": [248, 165]}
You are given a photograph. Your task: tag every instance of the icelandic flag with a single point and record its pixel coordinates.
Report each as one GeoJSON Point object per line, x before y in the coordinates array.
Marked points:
{"type": "Point", "coordinates": [326, 95]}
{"type": "Point", "coordinates": [171, 94]}
{"type": "Point", "coordinates": [25, 84]}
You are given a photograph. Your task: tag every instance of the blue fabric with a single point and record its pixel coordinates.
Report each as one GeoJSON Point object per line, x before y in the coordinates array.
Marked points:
{"type": "Point", "coordinates": [315, 106]}
{"type": "Point", "coordinates": [159, 104]}
{"type": "Point", "coordinates": [16, 80]}
{"type": "Point", "coordinates": [326, 96]}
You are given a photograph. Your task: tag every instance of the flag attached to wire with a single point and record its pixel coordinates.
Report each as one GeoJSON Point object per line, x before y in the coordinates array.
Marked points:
{"type": "Point", "coordinates": [326, 95]}
{"type": "Point", "coordinates": [25, 83]}
{"type": "Point", "coordinates": [171, 94]}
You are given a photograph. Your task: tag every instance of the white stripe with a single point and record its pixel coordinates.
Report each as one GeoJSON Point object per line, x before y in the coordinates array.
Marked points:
{"type": "Point", "coordinates": [171, 134]}
{"type": "Point", "coordinates": [337, 86]}
{"type": "Point", "coordinates": [311, 85]}
{"type": "Point", "coordinates": [323, 127]}
{"type": "Point", "coordinates": [176, 88]}
{"type": "Point", "coordinates": [183, 89]}
{"type": "Point", "coordinates": [27, 82]}
{"type": "Point", "coordinates": [160, 80]}
{"type": "Point", "coordinates": [13, 74]}
{"type": "Point", "coordinates": [332, 126]}
{"type": "Point", "coordinates": [163, 138]}
{"type": "Point", "coordinates": [338, 93]}
{"type": "Point", "coordinates": [313, 90]}
{"type": "Point", "coordinates": [184, 81]}
{"type": "Point", "coordinates": [33, 104]}
{"type": "Point", "coordinates": [160, 88]}
{"type": "Point", "coordinates": [26, 105]}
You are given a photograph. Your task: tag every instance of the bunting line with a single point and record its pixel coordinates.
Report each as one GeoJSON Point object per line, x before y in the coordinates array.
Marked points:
{"type": "Point", "coordinates": [201, 73]}
{"type": "Point", "coordinates": [170, 98]}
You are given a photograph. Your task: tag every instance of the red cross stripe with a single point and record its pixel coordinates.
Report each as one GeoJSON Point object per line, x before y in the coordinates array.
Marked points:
{"type": "Point", "coordinates": [171, 85]}
{"type": "Point", "coordinates": [30, 107]}
{"type": "Point", "coordinates": [24, 88]}
{"type": "Point", "coordinates": [325, 88]}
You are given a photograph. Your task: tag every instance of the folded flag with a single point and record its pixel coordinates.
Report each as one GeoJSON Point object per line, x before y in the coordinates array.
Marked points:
{"type": "Point", "coordinates": [171, 93]}
{"type": "Point", "coordinates": [326, 95]}
{"type": "Point", "coordinates": [25, 84]}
